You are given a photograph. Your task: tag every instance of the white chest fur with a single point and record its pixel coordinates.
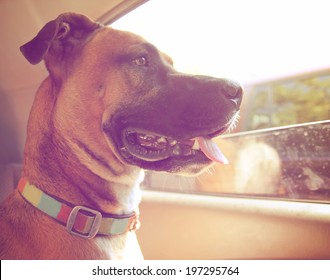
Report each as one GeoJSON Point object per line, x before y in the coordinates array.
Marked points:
{"type": "Point", "coordinates": [121, 247]}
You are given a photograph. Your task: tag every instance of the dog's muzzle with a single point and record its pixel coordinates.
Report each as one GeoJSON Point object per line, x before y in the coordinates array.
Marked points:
{"type": "Point", "coordinates": [172, 131]}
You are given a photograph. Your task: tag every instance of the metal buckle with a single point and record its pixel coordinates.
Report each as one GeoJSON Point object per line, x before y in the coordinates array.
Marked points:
{"type": "Point", "coordinates": [135, 225]}
{"type": "Point", "coordinates": [94, 227]}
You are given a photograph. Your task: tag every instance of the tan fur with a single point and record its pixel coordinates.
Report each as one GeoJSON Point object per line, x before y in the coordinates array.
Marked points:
{"type": "Point", "coordinates": [79, 94]}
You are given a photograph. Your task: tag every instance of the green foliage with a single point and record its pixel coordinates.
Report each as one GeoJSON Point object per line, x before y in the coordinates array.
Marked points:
{"type": "Point", "coordinates": [291, 102]}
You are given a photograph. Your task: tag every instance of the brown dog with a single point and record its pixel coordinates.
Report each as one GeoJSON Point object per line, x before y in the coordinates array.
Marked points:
{"type": "Point", "coordinates": [112, 106]}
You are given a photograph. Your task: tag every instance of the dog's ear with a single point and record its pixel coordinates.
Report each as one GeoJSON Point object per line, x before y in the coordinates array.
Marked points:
{"type": "Point", "coordinates": [58, 37]}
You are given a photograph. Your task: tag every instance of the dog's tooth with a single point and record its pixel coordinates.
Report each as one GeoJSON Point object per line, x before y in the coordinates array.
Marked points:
{"type": "Point", "coordinates": [177, 150]}
{"type": "Point", "coordinates": [143, 136]}
{"type": "Point", "coordinates": [146, 138]}
{"type": "Point", "coordinates": [196, 145]}
{"type": "Point", "coordinates": [172, 142]}
{"type": "Point", "coordinates": [161, 140]}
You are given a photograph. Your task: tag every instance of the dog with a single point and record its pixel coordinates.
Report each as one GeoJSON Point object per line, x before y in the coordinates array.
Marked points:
{"type": "Point", "coordinates": [111, 107]}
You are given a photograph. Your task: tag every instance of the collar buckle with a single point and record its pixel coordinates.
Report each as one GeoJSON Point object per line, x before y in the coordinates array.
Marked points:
{"type": "Point", "coordinates": [94, 228]}
{"type": "Point", "coordinates": [135, 225]}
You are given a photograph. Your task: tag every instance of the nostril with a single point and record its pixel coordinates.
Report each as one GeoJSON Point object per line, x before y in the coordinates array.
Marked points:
{"type": "Point", "coordinates": [234, 92]}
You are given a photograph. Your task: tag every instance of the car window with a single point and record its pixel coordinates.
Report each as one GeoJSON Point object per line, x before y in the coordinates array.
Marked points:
{"type": "Point", "coordinates": [293, 100]}
{"type": "Point", "coordinates": [280, 148]}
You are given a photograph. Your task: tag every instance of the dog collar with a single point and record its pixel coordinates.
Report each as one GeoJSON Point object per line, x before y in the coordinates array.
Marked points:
{"type": "Point", "coordinates": [79, 220]}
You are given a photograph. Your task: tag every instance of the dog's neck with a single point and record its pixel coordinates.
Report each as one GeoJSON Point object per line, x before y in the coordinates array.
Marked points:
{"type": "Point", "coordinates": [54, 166]}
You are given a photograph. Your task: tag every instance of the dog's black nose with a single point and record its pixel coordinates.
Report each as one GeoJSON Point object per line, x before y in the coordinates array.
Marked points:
{"type": "Point", "coordinates": [212, 99]}
{"type": "Point", "coordinates": [229, 89]}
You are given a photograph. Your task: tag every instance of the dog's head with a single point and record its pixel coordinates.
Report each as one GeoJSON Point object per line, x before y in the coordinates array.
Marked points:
{"type": "Point", "coordinates": [119, 97]}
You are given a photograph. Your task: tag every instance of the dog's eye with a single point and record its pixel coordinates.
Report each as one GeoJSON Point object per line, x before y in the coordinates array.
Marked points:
{"type": "Point", "coordinates": [140, 61]}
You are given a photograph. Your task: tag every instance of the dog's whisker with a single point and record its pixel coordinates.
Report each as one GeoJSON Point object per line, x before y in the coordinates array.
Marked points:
{"type": "Point", "coordinates": [233, 125]}
{"type": "Point", "coordinates": [210, 170]}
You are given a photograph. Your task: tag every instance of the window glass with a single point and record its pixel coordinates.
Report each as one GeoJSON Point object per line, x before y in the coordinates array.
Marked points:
{"type": "Point", "coordinates": [295, 100]}
{"type": "Point", "coordinates": [279, 52]}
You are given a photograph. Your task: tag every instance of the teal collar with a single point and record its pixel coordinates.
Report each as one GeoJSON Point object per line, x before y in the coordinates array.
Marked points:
{"type": "Point", "coordinates": [79, 220]}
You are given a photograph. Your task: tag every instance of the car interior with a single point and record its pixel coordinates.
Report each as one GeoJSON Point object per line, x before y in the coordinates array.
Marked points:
{"type": "Point", "coordinates": [272, 201]}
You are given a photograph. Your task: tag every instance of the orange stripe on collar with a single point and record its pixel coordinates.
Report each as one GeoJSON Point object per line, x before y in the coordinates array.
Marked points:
{"type": "Point", "coordinates": [79, 220]}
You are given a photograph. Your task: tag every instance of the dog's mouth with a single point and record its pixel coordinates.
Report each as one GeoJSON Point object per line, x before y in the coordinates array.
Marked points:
{"type": "Point", "coordinates": [150, 147]}
{"type": "Point", "coordinates": [157, 151]}
{"type": "Point", "coordinates": [185, 150]}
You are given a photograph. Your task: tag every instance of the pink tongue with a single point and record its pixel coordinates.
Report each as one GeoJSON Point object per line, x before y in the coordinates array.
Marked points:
{"type": "Point", "coordinates": [211, 150]}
